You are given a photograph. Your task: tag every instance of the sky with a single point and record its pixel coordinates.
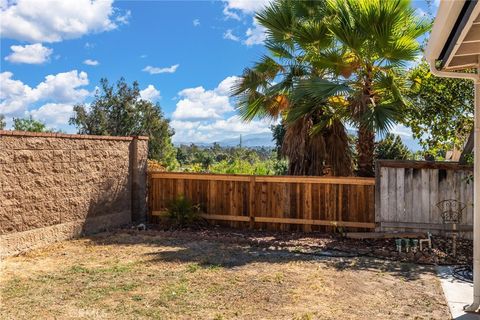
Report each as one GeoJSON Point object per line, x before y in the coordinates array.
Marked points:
{"type": "Point", "coordinates": [185, 55]}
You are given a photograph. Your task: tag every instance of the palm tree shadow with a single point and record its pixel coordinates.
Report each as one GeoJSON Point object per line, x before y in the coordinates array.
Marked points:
{"type": "Point", "coordinates": [233, 252]}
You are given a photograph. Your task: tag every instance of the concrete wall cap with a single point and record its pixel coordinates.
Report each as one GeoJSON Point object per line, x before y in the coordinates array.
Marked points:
{"type": "Point", "coordinates": [67, 136]}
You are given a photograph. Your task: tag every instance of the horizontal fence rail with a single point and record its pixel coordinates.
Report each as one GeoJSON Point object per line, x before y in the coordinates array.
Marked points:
{"type": "Point", "coordinates": [269, 202]}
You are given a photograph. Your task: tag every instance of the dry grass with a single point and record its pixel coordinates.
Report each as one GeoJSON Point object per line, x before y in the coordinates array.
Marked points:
{"type": "Point", "coordinates": [156, 275]}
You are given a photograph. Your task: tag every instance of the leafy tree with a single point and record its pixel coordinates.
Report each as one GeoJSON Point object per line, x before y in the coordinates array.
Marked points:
{"type": "Point", "coordinates": [120, 111]}
{"type": "Point", "coordinates": [29, 124]}
{"type": "Point", "coordinates": [234, 160]}
{"type": "Point", "coordinates": [440, 111]}
{"type": "Point", "coordinates": [392, 147]}
{"type": "Point", "coordinates": [3, 124]}
{"type": "Point", "coordinates": [278, 133]}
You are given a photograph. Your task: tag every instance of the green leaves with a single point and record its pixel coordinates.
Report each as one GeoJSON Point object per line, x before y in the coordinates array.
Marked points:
{"type": "Point", "coordinates": [29, 124]}
{"type": "Point", "coordinates": [119, 111]}
{"type": "Point", "coordinates": [440, 110]}
{"type": "Point", "coordinates": [326, 52]}
{"type": "Point", "coordinates": [2, 122]}
{"type": "Point", "coordinates": [392, 147]}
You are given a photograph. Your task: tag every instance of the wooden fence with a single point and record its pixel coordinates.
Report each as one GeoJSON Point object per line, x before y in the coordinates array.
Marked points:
{"type": "Point", "coordinates": [269, 202]}
{"type": "Point", "coordinates": [408, 192]}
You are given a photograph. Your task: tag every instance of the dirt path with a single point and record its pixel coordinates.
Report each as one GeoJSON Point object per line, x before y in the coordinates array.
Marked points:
{"type": "Point", "coordinates": [159, 275]}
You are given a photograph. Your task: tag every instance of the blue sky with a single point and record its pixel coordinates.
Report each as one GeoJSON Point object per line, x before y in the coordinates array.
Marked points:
{"type": "Point", "coordinates": [184, 54]}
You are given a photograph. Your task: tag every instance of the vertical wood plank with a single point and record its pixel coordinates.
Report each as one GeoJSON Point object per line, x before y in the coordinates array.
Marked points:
{"type": "Point", "coordinates": [434, 216]}
{"type": "Point", "coordinates": [308, 205]}
{"type": "Point", "coordinates": [417, 189]}
{"type": "Point", "coordinates": [400, 194]}
{"type": "Point", "coordinates": [251, 201]}
{"type": "Point", "coordinates": [392, 195]}
{"type": "Point", "coordinates": [383, 195]}
{"type": "Point", "coordinates": [409, 194]}
{"type": "Point", "coordinates": [425, 196]}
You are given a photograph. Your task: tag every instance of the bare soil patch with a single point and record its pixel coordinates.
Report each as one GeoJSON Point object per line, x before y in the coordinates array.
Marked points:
{"type": "Point", "coordinates": [215, 275]}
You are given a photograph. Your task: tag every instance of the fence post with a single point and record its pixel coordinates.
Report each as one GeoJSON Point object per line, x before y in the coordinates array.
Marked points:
{"type": "Point", "coordinates": [251, 201]}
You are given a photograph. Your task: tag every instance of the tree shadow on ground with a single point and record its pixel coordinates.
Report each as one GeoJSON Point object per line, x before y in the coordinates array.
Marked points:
{"type": "Point", "coordinates": [233, 249]}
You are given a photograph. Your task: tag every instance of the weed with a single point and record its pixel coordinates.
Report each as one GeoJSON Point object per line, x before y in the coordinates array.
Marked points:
{"type": "Point", "coordinates": [183, 211]}
{"type": "Point", "coordinates": [193, 267]}
{"type": "Point", "coordinates": [137, 298]}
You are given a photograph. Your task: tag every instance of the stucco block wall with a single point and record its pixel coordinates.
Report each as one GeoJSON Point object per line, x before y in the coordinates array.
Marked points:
{"type": "Point", "coordinates": [57, 186]}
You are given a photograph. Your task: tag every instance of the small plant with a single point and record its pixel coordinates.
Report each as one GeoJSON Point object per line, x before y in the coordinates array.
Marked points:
{"type": "Point", "coordinates": [338, 229]}
{"type": "Point", "coordinates": [183, 211]}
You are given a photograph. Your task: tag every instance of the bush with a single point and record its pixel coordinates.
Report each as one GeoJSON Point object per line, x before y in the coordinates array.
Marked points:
{"type": "Point", "coordinates": [183, 211]}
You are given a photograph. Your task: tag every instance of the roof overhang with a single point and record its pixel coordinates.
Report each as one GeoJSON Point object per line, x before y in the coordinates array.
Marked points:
{"type": "Point", "coordinates": [454, 42]}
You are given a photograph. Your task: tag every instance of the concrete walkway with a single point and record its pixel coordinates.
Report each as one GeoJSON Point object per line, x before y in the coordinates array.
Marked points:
{"type": "Point", "coordinates": [457, 293]}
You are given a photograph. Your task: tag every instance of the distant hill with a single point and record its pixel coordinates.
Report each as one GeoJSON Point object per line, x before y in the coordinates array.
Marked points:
{"type": "Point", "coordinates": [265, 140]}
{"type": "Point", "coordinates": [249, 140]}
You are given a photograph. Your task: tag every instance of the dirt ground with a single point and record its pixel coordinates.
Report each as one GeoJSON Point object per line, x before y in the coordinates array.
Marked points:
{"type": "Point", "coordinates": [189, 275]}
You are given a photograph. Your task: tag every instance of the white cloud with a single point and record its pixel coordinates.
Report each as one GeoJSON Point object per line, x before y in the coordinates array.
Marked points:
{"type": "Point", "coordinates": [401, 130]}
{"type": "Point", "coordinates": [62, 88]}
{"type": "Point", "coordinates": [125, 18]}
{"type": "Point", "coordinates": [157, 70]}
{"type": "Point", "coordinates": [14, 95]}
{"type": "Point", "coordinates": [230, 14]}
{"type": "Point", "coordinates": [150, 93]}
{"type": "Point", "coordinates": [219, 130]}
{"type": "Point", "coordinates": [199, 104]}
{"type": "Point", "coordinates": [238, 9]}
{"type": "Point", "coordinates": [243, 6]}
{"type": "Point", "coordinates": [57, 20]}
{"type": "Point", "coordinates": [90, 62]}
{"type": "Point", "coordinates": [31, 54]}
{"type": "Point", "coordinates": [206, 116]}
{"type": "Point", "coordinates": [53, 115]}
{"type": "Point", "coordinates": [196, 22]}
{"type": "Point", "coordinates": [230, 36]}
{"type": "Point", "coordinates": [255, 35]}
{"type": "Point", "coordinates": [225, 86]}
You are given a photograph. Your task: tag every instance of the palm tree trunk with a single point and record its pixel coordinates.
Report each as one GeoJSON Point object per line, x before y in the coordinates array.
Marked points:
{"type": "Point", "coordinates": [327, 152]}
{"type": "Point", "coordinates": [305, 153]}
{"type": "Point", "coordinates": [339, 156]}
{"type": "Point", "coordinates": [365, 150]}
{"type": "Point", "coordinates": [366, 136]}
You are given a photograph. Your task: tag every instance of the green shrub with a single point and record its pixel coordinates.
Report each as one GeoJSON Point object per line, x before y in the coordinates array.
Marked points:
{"type": "Point", "coordinates": [183, 211]}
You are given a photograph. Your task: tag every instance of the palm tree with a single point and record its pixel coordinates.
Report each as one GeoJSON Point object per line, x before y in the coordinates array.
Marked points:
{"type": "Point", "coordinates": [373, 39]}
{"type": "Point", "coordinates": [267, 90]}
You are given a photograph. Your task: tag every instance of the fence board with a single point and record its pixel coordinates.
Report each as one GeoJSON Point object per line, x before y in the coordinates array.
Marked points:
{"type": "Point", "coordinates": [270, 202]}
{"type": "Point", "coordinates": [408, 203]}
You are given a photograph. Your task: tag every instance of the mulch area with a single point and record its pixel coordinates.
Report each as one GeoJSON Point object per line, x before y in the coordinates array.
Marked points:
{"type": "Point", "coordinates": [334, 245]}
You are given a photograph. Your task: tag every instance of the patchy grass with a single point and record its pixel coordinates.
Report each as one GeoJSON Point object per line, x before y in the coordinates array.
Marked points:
{"type": "Point", "coordinates": [155, 275]}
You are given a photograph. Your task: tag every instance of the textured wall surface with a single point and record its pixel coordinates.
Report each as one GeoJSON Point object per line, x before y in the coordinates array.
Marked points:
{"type": "Point", "coordinates": [55, 186]}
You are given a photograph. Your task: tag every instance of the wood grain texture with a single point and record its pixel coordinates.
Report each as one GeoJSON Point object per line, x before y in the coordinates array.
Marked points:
{"type": "Point", "coordinates": [273, 203]}
{"type": "Point", "coordinates": [407, 195]}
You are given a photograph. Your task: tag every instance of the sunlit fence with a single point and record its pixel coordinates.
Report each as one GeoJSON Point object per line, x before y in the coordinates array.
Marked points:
{"type": "Point", "coordinates": [269, 202]}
